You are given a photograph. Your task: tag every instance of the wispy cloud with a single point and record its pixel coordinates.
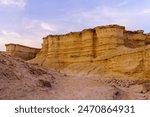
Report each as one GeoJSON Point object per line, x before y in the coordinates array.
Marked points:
{"type": "Point", "coordinates": [10, 33]}
{"type": "Point", "coordinates": [132, 19]}
{"type": "Point", "coordinates": [18, 3]}
{"type": "Point", "coordinates": [7, 36]}
{"type": "Point", "coordinates": [46, 26]}
{"type": "Point", "coordinates": [145, 12]}
{"type": "Point", "coordinates": [123, 2]}
{"type": "Point", "coordinates": [28, 27]}
{"type": "Point", "coordinates": [33, 24]}
{"type": "Point", "coordinates": [31, 33]}
{"type": "Point", "coordinates": [30, 23]}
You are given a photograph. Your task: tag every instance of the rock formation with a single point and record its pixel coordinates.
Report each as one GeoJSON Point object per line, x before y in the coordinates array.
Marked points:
{"type": "Point", "coordinates": [110, 46]}
{"type": "Point", "coordinates": [107, 62]}
{"type": "Point", "coordinates": [21, 51]}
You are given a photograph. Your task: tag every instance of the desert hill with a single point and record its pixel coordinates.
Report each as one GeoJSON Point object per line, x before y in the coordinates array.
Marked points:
{"type": "Point", "coordinates": [19, 79]}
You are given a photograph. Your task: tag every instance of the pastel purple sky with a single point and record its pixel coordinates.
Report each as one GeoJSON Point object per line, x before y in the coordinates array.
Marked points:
{"type": "Point", "coordinates": [27, 21]}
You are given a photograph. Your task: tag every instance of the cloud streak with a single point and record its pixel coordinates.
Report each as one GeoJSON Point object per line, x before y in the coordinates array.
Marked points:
{"type": "Point", "coordinates": [132, 19]}
{"type": "Point", "coordinates": [10, 34]}
{"type": "Point", "coordinates": [34, 24]}
{"type": "Point", "coordinates": [46, 26]}
{"type": "Point", "coordinates": [29, 39]}
{"type": "Point", "coordinates": [145, 12]}
{"type": "Point", "coordinates": [7, 36]}
{"type": "Point", "coordinates": [40, 18]}
{"type": "Point", "coordinates": [123, 2]}
{"type": "Point", "coordinates": [18, 3]}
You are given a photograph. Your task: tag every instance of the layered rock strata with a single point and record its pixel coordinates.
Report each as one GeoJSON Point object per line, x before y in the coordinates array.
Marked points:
{"type": "Point", "coordinates": [21, 51]}
{"type": "Point", "coordinates": [111, 46]}
{"type": "Point", "coordinates": [82, 46]}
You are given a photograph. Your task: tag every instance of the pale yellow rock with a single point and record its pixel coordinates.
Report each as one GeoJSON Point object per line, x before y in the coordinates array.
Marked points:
{"type": "Point", "coordinates": [21, 51]}
{"type": "Point", "coordinates": [110, 47]}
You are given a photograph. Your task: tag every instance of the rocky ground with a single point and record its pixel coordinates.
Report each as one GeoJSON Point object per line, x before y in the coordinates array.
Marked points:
{"type": "Point", "coordinates": [20, 80]}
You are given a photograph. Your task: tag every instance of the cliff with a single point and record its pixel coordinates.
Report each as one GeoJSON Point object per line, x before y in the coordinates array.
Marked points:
{"type": "Point", "coordinates": [21, 51]}
{"type": "Point", "coordinates": [111, 47]}
{"type": "Point", "coordinates": [82, 46]}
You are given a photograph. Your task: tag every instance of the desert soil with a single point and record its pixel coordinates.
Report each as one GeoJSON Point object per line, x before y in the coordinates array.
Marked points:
{"type": "Point", "coordinates": [20, 80]}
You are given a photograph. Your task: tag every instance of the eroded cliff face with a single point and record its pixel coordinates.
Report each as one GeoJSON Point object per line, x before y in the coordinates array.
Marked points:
{"type": "Point", "coordinates": [110, 47]}
{"type": "Point", "coordinates": [21, 51]}
{"type": "Point", "coordinates": [82, 46]}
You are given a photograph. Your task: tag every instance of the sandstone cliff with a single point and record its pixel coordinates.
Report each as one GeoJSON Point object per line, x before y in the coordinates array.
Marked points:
{"type": "Point", "coordinates": [21, 51]}
{"type": "Point", "coordinates": [111, 47]}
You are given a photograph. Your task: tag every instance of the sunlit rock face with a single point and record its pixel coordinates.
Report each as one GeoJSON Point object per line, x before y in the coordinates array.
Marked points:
{"type": "Point", "coordinates": [111, 47]}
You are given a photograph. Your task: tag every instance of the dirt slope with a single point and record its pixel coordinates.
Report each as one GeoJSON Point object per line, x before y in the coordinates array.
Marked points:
{"type": "Point", "coordinates": [20, 80]}
{"type": "Point", "coordinates": [76, 86]}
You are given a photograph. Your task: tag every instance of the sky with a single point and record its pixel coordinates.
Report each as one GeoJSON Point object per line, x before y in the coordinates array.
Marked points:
{"type": "Point", "coordinates": [28, 21]}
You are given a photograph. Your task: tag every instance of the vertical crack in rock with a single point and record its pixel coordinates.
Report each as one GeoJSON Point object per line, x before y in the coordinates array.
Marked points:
{"type": "Point", "coordinates": [94, 44]}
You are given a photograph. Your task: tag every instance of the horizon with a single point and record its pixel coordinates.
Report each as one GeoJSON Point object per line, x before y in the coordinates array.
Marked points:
{"type": "Point", "coordinates": [27, 22]}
